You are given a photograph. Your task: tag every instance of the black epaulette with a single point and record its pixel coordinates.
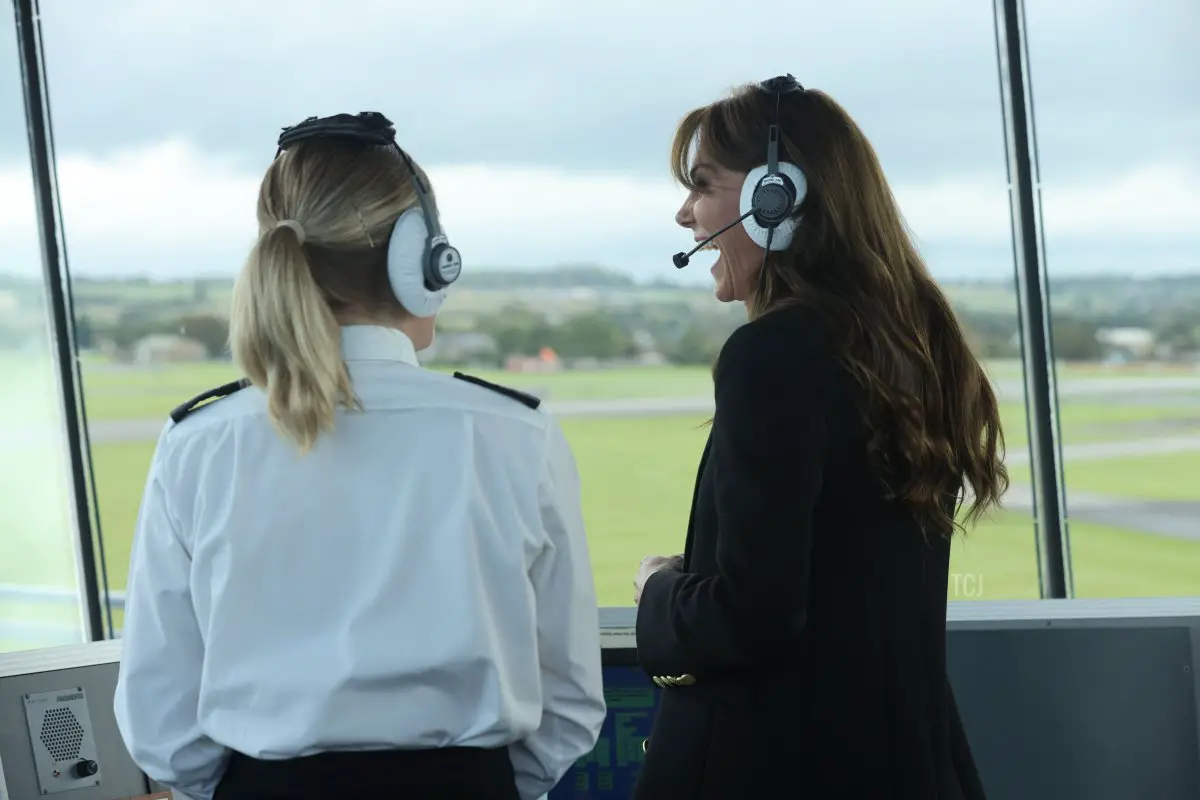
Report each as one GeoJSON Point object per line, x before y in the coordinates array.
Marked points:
{"type": "Point", "coordinates": [507, 391]}
{"type": "Point", "coordinates": [199, 401]}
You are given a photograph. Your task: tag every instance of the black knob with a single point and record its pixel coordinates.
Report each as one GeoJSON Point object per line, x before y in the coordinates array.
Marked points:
{"type": "Point", "coordinates": [86, 768]}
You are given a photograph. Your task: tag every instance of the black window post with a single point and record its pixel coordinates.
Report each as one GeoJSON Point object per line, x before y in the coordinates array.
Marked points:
{"type": "Point", "coordinates": [1033, 302]}
{"type": "Point", "coordinates": [58, 291]}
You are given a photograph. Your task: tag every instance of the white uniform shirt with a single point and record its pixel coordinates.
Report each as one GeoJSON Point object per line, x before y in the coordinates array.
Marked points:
{"type": "Point", "coordinates": [419, 579]}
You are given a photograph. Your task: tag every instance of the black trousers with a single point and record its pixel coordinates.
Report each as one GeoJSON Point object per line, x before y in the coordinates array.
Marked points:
{"type": "Point", "coordinates": [451, 773]}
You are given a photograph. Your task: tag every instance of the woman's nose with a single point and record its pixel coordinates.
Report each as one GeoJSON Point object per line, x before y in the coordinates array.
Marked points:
{"type": "Point", "coordinates": [683, 217]}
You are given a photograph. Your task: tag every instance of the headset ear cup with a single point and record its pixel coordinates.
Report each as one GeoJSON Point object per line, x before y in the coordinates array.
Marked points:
{"type": "Point", "coordinates": [786, 229]}
{"type": "Point", "coordinates": [406, 265]}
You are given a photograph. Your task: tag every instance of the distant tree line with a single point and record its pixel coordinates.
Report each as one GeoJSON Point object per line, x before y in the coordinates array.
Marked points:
{"type": "Point", "coordinates": [1076, 338]}
{"type": "Point", "coordinates": [680, 332]}
{"type": "Point", "coordinates": [677, 335]}
{"type": "Point", "coordinates": [209, 330]}
{"type": "Point", "coordinates": [627, 319]}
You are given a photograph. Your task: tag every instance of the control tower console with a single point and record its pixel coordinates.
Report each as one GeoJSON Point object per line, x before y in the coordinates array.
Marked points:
{"type": "Point", "coordinates": [1062, 699]}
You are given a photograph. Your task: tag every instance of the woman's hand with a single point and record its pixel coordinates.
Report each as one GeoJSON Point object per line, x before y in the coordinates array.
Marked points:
{"type": "Point", "coordinates": [649, 566]}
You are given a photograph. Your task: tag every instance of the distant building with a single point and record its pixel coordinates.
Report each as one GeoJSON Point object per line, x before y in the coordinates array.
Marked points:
{"type": "Point", "coordinates": [647, 352]}
{"type": "Point", "coordinates": [168, 349]}
{"type": "Point", "coordinates": [1126, 344]}
{"type": "Point", "coordinates": [545, 361]}
{"type": "Point", "coordinates": [650, 359]}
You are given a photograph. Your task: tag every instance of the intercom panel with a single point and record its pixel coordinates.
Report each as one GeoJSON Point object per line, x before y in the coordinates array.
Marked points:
{"type": "Point", "coordinates": [63, 740]}
{"type": "Point", "coordinates": [58, 733]}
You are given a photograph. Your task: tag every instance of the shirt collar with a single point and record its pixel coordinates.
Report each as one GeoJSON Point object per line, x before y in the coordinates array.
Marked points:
{"type": "Point", "coordinates": [376, 343]}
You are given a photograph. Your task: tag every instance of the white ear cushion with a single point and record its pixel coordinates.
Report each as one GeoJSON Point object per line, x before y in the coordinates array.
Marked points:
{"type": "Point", "coordinates": [783, 233]}
{"type": "Point", "coordinates": [406, 251]}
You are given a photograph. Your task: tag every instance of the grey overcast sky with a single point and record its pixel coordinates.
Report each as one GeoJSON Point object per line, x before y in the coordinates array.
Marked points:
{"type": "Point", "coordinates": [545, 123]}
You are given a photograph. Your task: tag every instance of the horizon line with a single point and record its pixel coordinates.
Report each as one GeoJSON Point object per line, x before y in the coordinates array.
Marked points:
{"type": "Point", "coordinates": [616, 272]}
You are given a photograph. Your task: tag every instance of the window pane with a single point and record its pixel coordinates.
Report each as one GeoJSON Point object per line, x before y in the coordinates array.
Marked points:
{"type": "Point", "coordinates": [1117, 91]}
{"type": "Point", "coordinates": [546, 150]}
{"type": "Point", "coordinates": [40, 603]}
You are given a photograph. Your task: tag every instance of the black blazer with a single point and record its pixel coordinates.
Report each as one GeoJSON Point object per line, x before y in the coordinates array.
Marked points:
{"type": "Point", "coordinates": [802, 645]}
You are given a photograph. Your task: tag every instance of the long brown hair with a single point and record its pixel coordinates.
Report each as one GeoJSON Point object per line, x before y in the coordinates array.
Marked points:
{"type": "Point", "coordinates": [933, 417]}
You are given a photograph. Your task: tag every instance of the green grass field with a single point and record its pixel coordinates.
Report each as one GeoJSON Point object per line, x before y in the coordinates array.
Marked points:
{"type": "Point", "coordinates": [134, 394]}
{"type": "Point", "coordinates": [637, 481]}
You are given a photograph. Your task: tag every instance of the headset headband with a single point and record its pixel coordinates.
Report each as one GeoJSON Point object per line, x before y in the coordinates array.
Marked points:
{"type": "Point", "coordinates": [782, 84]}
{"type": "Point", "coordinates": [368, 127]}
{"type": "Point", "coordinates": [777, 87]}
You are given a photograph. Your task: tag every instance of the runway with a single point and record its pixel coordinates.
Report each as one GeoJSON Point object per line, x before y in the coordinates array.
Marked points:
{"type": "Point", "coordinates": [1179, 519]}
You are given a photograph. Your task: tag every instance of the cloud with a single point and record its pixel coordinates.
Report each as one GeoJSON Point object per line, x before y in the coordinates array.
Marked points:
{"type": "Point", "coordinates": [1149, 202]}
{"type": "Point", "coordinates": [171, 209]}
{"type": "Point", "coordinates": [547, 125]}
{"type": "Point", "coordinates": [548, 84]}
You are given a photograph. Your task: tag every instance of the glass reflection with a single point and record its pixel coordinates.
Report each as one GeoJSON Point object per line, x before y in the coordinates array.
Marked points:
{"type": "Point", "coordinates": [39, 599]}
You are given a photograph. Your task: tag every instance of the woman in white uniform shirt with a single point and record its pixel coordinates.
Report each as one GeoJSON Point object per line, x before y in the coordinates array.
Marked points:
{"type": "Point", "coordinates": [353, 577]}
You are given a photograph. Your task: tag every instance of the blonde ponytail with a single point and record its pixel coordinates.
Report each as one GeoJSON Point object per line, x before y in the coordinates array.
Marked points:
{"type": "Point", "coordinates": [286, 339]}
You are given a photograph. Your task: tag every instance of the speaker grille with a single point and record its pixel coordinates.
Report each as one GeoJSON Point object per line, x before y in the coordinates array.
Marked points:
{"type": "Point", "coordinates": [62, 734]}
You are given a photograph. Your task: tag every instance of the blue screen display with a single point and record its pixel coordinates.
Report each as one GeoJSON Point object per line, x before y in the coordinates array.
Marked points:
{"type": "Point", "coordinates": [612, 768]}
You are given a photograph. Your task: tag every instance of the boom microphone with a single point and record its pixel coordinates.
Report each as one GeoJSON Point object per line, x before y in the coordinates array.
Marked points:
{"type": "Point", "coordinates": [681, 259]}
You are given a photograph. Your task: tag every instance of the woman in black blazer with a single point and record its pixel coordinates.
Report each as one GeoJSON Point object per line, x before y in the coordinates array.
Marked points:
{"type": "Point", "coordinates": [801, 638]}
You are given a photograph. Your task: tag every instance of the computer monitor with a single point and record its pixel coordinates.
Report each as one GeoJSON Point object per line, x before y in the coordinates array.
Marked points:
{"type": "Point", "coordinates": [612, 768]}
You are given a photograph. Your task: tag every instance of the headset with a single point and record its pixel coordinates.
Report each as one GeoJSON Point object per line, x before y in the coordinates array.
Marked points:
{"type": "Point", "coordinates": [421, 262]}
{"type": "Point", "coordinates": [771, 192]}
